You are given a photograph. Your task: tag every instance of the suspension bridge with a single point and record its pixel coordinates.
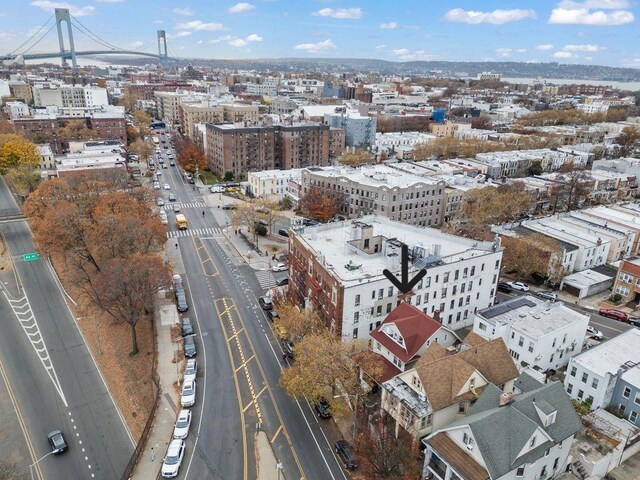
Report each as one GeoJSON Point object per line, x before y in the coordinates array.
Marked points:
{"type": "Point", "coordinates": [62, 16]}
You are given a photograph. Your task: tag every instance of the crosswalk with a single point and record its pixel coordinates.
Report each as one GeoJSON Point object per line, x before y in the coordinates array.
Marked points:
{"type": "Point", "coordinates": [265, 279]}
{"type": "Point", "coordinates": [196, 232]}
{"type": "Point", "coordinates": [168, 207]}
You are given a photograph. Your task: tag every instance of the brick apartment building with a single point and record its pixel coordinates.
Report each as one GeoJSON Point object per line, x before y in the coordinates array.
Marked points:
{"type": "Point", "coordinates": [243, 149]}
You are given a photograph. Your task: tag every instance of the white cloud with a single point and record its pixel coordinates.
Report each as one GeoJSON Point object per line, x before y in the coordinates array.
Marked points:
{"type": "Point", "coordinates": [180, 34]}
{"type": "Point", "coordinates": [73, 9]}
{"type": "Point", "coordinates": [254, 37]}
{"type": "Point", "coordinates": [319, 47]}
{"type": "Point", "coordinates": [592, 12]}
{"type": "Point", "coordinates": [340, 13]}
{"type": "Point", "coordinates": [582, 48]}
{"type": "Point", "coordinates": [507, 52]}
{"type": "Point", "coordinates": [400, 51]}
{"type": "Point", "coordinates": [381, 47]}
{"type": "Point", "coordinates": [389, 26]}
{"type": "Point", "coordinates": [240, 7]}
{"type": "Point", "coordinates": [109, 1]}
{"type": "Point", "coordinates": [545, 46]}
{"type": "Point", "coordinates": [562, 54]}
{"type": "Point", "coordinates": [199, 26]}
{"type": "Point", "coordinates": [242, 42]}
{"type": "Point", "coordinates": [185, 12]}
{"type": "Point", "coordinates": [238, 42]}
{"type": "Point", "coordinates": [412, 56]}
{"type": "Point", "coordinates": [496, 17]}
{"type": "Point", "coordinates": [137, 44]}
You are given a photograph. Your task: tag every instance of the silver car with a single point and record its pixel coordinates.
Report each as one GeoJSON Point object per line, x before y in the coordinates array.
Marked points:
{"type": "Point", "coordinates": [181, 429]}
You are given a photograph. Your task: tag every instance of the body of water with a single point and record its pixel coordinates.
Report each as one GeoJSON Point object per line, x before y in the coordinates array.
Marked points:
{"type": "Point", "coordinates": [568, 81]}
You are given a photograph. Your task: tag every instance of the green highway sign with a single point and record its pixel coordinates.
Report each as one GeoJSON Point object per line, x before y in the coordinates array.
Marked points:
{"type": "Point", "coordinates": [29, 257]}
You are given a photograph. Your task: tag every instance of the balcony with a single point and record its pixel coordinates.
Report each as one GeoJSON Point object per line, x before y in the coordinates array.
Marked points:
{"type": "Point", "coordinates": [437, 468]}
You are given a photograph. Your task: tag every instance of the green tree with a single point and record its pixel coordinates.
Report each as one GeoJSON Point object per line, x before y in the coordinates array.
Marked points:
{"type": "Point", "coordinates": [228, 176]}
{"type": "Point", "coordinates": [24, 178]}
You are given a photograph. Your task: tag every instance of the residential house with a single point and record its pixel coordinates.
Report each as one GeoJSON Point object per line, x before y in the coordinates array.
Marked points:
{"type": "Point", "coordinates": [627, 283]}
{"type": "Point", "coordinates": [626, 395]}
{"type": "Point", "coordinates": [445, 382]}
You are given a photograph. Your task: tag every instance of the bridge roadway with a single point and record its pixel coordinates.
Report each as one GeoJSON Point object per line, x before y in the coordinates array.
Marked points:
{"type": "Point", "coordinates": [67, 55]}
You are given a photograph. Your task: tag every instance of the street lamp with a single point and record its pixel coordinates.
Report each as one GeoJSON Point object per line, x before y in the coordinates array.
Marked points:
{"type": "Point", "coordinates": [31, 467]}
{"type": "Point", "coordinates": [279, 468]}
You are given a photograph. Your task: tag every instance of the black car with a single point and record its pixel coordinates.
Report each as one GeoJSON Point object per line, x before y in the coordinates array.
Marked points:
{"type": "Point", "coordinates": [504, 287]}
{"type": "Point", "coordinates": [189, 347]}
{"type": "Point", "coordinates": [323, 409]}
{"type": "Point", "coordinates": [57, 442]}
{"type": "Point", "coordinates": [346, 454]}
{"type": "Point", "coordinates": [272, 314]}
{"type": "Point", "coordinates": [187, 327]}
{"type": "Point", "coordinates": [635, 321]}
{"type": "Point", "coordinates": [283, 232]}
{"type": "Point", "coordinates": [265, 303]}
{"type": "Point", "coordinates": [181, 300]}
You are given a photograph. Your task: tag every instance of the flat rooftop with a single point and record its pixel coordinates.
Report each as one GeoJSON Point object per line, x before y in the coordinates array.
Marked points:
{"type": "Point", "coordinates": [377, 176]}
{"type": "Point", "coordinates": [532, 316]}
{"type": "Point", "coordinates": [564, 231]}
{"type": "Point", "coordinates": [609, 356]}
{"type": "Point", "coordinates": [330, 243]}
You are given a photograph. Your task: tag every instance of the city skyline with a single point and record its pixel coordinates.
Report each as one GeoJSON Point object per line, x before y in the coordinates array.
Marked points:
{"type": "Point", "coordinates": [583, 32]}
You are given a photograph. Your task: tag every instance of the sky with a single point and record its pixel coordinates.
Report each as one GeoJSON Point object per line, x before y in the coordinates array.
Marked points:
{"type": "Point", "coordinates": [601, 32]}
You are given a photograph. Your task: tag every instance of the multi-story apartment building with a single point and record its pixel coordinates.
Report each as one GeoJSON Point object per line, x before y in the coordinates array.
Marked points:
{"type": "Point", "coordinates": [512, 163]}
{"type": "Point", "coordinates": [592, 375]}
{"type": "Point", "coordinates": [69, 96]}
{"type": "Point", "coordinates": [275, 184]}
{"type": "Point", "coordinates": [242, 149]}
{"type": "Point", "coordinates": [523, 435]}
{"type": "Point", "coordinates": [337, 269]}
{"type": "Point", "coordinates": [382, 190]}
{"type": "Point", "coordinates": [190, 114]}
{"type": "Point", "coordinates": [539, 334]}
{"type": "Point", "coordinates": [237, 112]}
{"type": "Point", "coordinates": [360, 130]}
{"type": "Point", "coordinates": [627, 282]}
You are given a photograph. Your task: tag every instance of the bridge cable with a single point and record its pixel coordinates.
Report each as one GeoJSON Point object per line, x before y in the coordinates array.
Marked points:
{"type": "Point", "coordinates": [40, 39]}
{"type": "Point", "coordinates": [95, 37]}
{"type": "Point", "coordinates": [94, 40]}
{"type": "Point", "coordinates": [32, 36]}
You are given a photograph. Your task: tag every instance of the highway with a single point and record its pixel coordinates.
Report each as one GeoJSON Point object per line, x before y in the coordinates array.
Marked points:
{"type": "Point", "coordinates": [53, 378]}
{"type": "Point", "coordinates": [242, 362]}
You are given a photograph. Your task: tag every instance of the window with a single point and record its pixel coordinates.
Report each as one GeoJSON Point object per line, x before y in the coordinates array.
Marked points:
{"type": "Point", "coordinates": [380, 293]}
{"type": "Point", "coordinates": [390, 292]}
{"type": "Point", "coordinates": [531, 346]}
{"type": "Point", "coordinates": [356, 317]}
{"type": "Point", "coordinates": [633, 416]}
{"type": "Point", "coordinates": [445, 277]}
{"type": "Point", "coordinates": [585, 377]}
{"type": "Point", "coordinates": [580, 394]}
{"type": "Point", "coordinates": [355, 333]}
{"type": "Point", "coordinates": [520, 471]}
{"type": "Point", "coordinates": [622, 407]}
{"type": "Point", "coordinates": [569, 388]}
{"type": "Point", "coordinates": [379, 310]}
{"type": "Point", "coordinates": [482, 326]}
{"type": "Point", "coordinates": [573, 371]}
{"type": "Point", "coordinates": [594, 383]}
{"type": "Point", "coordinates": [627, 392]}
{"type": "Point", "coordinates": [543, 473]}
{"type": "Point", "coordinates": [546, 452]}
{"type": "Point", "coordinates": [467, 440]}
{"type": "Point", "coordinates": [637, 399]}
{"type": "Point", "coordinates": [389, 307]}
{"type": "Point", "coordinates": [357, 302]}
{"type": "Point", "coordinates": [462, 407]}
{"type": "Point", "coordinates": [532, 443]}
{"type": "Point", "coordinates": [521, 341]}
{"type": "Point", "coordinates": [555, 463]}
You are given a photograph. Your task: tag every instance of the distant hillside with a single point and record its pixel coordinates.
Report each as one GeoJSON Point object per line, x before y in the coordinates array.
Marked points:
{"type": "Point", "coordinates": [507, 69]}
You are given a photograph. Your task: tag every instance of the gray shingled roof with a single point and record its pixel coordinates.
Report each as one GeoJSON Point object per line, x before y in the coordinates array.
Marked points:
{"type": "Point", "coordinates": [502, 432]}
{"type": "Point", "coordinates": [526, 382]}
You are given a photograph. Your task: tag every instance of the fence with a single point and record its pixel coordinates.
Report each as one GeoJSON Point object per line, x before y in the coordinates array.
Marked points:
{"type": "Point", "coordinates": [126, 475]}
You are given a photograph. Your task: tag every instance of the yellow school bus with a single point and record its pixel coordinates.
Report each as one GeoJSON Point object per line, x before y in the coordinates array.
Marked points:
{"type": "Point", "coordinates": [181, 221]}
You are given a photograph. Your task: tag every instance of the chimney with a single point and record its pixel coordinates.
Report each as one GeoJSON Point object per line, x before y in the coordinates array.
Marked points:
{"type": "Point", "coordinates": [506, 398]}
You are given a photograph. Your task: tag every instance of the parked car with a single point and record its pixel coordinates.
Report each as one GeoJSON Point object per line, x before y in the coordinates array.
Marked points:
{"type": "Point", "coordinates": [163, 217]}
{"type": "Point", "coordinates": [281, 332]}
{"type": "Point", "coordinates": [57, 442]}
{"type": "Point", "coordinates": [167, 186]}
{"type": "Point", "coordinates": [614, 314]}
{"type": "Point", "coordinates": [346, 453]}
{"type": "Point", "coordinates": [282, 282]}
{"type": "Point", "coordinates": [176, 207]}
{"type": "Point", "coordinates": [181, 300]}
{"type": "Point", "coordinates": [265, 303]}
{"type": "Point", "coordinates": [173, 459]}
{"type": "Point", "coordinates": [635, 321]}
{"type": "Point", "coordinates": [504, 287]}
{"type": "Point", "coordinates": [188, 395]}
{"type": "Point", "coordinates": [172, 197]}
{"type": "Point", "coordinates": [229, 206]}
{"type": "Point", "coordinates": [160, 201]}
{"type": "Point", "coordinates": [280, 267]}
{"type": "Point", "coordinates": [156, 186]}
{"type": "Point", "coordinates": [181, 429]}
{"type": "Point", "coordinates": [191, 370]}
{"type": "Point", "coordinates": [548, 295]}
{"type": "Point", "coordinates": [594, 333]}
{"type": "Point", "coordinates": [523, 287]}
{"type": "Point", "coordinates": [187, 327]}
{"type": "Point", "coordinates": [172, 163]}
{"type": "Point", "coordinates": [283, 232]}
{"type": "Point", "coordinates": [164, 165]}
{"type": "Point", "coordinates": [189, 347]}
{"type": "Point", "coordinates": [323, 409]}
{"type": "Point", "coordinates": [272, 314]}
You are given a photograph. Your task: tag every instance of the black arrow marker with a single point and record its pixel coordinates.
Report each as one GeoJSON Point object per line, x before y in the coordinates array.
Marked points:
{"type": "Point", "coordinates": [405, 285]}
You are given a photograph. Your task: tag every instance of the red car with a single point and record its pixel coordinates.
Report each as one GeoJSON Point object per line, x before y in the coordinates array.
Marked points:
{"type": "Point", "coordinates": [615, 314]}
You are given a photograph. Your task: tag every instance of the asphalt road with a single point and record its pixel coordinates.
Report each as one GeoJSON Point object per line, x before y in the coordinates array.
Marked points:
{"type": "Point", "coordinates": [54, 380]}
{"type": "Point", "coordinates": [243, 364]}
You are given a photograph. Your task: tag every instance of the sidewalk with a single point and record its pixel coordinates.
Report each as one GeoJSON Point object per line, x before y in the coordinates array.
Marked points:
{"type": "Point", "coordinates": [169, 368]}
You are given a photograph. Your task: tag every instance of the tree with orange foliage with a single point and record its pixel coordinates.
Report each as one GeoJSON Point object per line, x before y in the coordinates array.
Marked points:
{"type": "Point", "coordinates": [189, 155]}
{"type": "Point", "coordinates": [318, 204]}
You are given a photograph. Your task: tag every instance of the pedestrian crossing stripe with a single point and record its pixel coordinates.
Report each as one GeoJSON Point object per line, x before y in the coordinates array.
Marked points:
{"type": "Point", "coordinates": [169, 206]}
{"type": "Point", "coordinates": [265, 279]}
{"type": "Point", "coordinates": [195, 232]}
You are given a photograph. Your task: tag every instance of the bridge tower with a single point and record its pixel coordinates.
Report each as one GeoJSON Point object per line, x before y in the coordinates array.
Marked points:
{"type": "Point", "coordinates": [62, 15]}
{"type": "Point", "coordinates": [162, 46]}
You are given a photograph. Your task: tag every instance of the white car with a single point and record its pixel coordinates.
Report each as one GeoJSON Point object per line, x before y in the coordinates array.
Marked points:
{"type": "Point", "coordinates": [181, 430]}
{"type": "Point", "coordinates": [280, 267]}
{"type": "Point", "coordinates": [163, 218]}
{"type": "Point", "coordinates": [519, 286]}
{"type": "Point", "coordinates": [173, 459]}
{"type": "Point", "coordinates": [160, 201]}
{"type": "Point", "coordinates": [594, 333]}
{"type": "Point", "coordinates": [188, 396]}
{"type": "Point", "coordinates": [156, 186]}
{"type": "Point", "coordinates": [191, 371]}
{"type": "Point", "coordinates": [167, 186]}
